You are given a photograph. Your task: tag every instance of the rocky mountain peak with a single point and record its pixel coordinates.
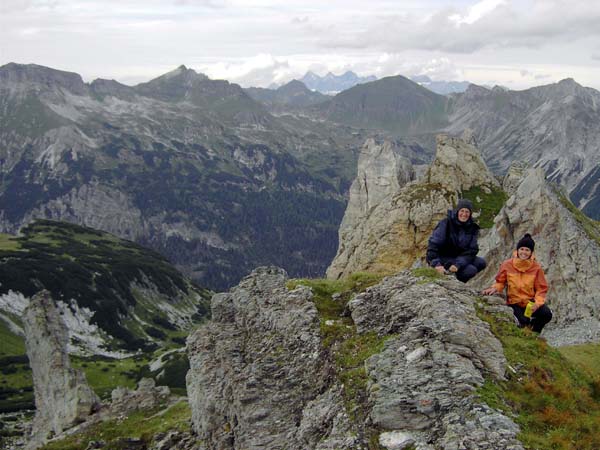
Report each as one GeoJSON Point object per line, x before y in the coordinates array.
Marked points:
{"type": "Point", "coordinates": [458, 165]}
{"type": "Point", "coordinates": [294, 86]}
{"type": "Point", "coordinates": [33, 74]}
{"type": "Point", "coordinates": [173, 85]}
{"type": "Point", "coordinates": [381, 174]}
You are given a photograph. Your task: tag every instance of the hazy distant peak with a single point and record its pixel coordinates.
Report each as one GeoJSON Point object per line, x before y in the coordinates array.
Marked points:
{"type": "Point", "coordinates": [331, 83]}
{"type": "Point", "coordinates": [33, 73]}
{"type": "Point", "coordinates": [294, 85]}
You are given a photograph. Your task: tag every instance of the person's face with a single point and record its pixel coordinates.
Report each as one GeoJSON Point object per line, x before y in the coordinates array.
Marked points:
{"type": "Point", "coordinates": [524, 252]}
{"type": "Point", "coordinates": [463, 214]}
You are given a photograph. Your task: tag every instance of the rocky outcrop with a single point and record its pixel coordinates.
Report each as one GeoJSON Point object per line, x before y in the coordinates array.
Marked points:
{"type": "Point", "coordinates": [146, 396]}
{"type": "Point", "coordinates": [62, 396]}
{"type": "Point", "coordinates": [261, 378]}
{"type": "Point", "coordinates": [513, 177]}
{"type": "Point", "coordinates": [381, 173]}
{"type": "Point", "coordinates": [568, 252]}
{"type": "Point", "coordinates": [258, 376]}
{"type": "Point", "coordinates": [390, 216]}
{"type": "Point", "coordinates": [458, 164]}
{"type": "Point", "coordinates": [423, 382]}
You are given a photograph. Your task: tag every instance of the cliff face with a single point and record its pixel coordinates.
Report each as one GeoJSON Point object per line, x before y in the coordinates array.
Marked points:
{"type": "Point", "coordinates": [261, 376]}
{"type": "Point", "coordinates": [390, 216]}
{"type": "Point", "coordinates": [566, 247]}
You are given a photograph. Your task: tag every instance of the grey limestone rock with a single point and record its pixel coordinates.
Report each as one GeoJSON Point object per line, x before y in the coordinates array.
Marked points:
{"type": "Point", "coordinates": [146, 396]}
{"type": "Point", "coordinates": [513, 177]}
{"type": "Point", "coordinates": [423, 382]}
{"type": "Point", "coordinates": [458, 165]}
{"type": "Point", "coordinates": [260, 377]}
{"type": "Point", "coordinates": [258, 369]}
{"type": "Point", "coordinates": [62, 396]}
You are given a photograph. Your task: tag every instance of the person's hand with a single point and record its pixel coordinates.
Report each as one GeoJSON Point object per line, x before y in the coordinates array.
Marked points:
{"type": "Point", "coordinates": [534, 307]}
{"type": "Point", "coordinates": [453, 268]}
{"type": "Point", "coordinates": [490, 291]}
{"type": "Point", "coordinates": [440, 269]}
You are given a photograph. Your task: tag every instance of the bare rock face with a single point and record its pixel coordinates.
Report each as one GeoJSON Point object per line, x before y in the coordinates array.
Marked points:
{"type": "Point", "coordinates": [569, 256]}
{"type": "Point", "coordinates": [387, 231]}
{"type": "Point", "coordinates": [258, 368]}
{"type": "Point", "coordinates": [62, 396]}
{"type": "Point", "coordinates": [422, 383]}
{"type": "Point", "coordinates": [458, 165]}
{"type": "Point", "coordinates": [381, 174]}
{"type": "Point", "coordinates": [513, 177]}
{"type": "Point", "coordinates": [260, 379]}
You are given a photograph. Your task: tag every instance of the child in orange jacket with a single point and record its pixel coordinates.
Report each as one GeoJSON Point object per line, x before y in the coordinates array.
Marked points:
{"type": "Point", "coordinates": [526, 283]}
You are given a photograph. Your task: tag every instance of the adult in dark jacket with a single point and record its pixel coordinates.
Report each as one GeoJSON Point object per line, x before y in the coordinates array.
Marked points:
{"type": "Point", "coordinates": [453, 243]}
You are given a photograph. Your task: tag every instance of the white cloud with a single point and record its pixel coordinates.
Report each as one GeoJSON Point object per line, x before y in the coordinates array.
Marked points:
{"type": "Point", "coordinates": [476, 12]}
{"type": "Point", "coordinates": [249, 41]}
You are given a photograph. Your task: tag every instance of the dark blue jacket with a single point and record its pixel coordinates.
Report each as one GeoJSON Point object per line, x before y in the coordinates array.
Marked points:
{"type": "Point", "coordinates": [453, 240]}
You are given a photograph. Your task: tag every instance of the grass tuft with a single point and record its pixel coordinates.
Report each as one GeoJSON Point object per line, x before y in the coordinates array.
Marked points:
{"type": "Point", "coordinates": [142, 425]}
{"type": "Point", "coordinates": [486, 204]}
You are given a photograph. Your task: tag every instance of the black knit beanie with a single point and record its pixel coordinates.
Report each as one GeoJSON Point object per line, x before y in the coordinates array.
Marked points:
{"type": "Point", "coordinates": [464, 203]}
{"type": "Point", "coordinates": [526, 241]}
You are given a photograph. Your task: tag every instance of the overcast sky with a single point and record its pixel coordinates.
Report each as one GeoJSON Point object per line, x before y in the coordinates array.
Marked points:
{"type": "Point", "coordinates": [517, 44]}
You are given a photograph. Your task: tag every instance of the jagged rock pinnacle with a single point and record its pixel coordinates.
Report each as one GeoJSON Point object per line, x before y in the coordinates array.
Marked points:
{"type": "Point", "coordinates": [62, 396]}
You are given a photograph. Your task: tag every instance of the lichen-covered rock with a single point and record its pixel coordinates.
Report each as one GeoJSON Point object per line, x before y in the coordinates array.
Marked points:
{"type": "Point", "coordinates": [569, 255]}
{"type": "Point", "coordinates": [423, 382]}
{"type": "Point", "coordinates": [390, 218]}
{"type": "Point", "coordinates": [257, 366]}
{"type": "Point", "coordinates": [458, 165]}
{"type": "Point", "coordinates": [62, 396]}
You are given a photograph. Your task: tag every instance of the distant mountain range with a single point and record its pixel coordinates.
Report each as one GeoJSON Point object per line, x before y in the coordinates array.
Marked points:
{"type": "Point", "coordinates": [333, 84]}
{"type": "Point", "coordinates": [191, 167]}
{"type": "Point", "coordinates": [294, 94]}
{"type": "Point", "coordinates": [220, 179]}
{"type": "Point", "coordinates": [441, 87]}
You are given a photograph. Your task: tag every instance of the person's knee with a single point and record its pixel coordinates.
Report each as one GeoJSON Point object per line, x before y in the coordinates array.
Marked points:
{"type": "Point", "coordinates": [479, 263]}
{"type": "Point", "coordinates": [544, 313]}
{"type": "Point", "coordinates": [466, 273]}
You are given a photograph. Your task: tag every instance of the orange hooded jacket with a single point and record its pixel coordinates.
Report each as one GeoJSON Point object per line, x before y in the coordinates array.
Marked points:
{"type": "Point", "coordinates": [525, 278]}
